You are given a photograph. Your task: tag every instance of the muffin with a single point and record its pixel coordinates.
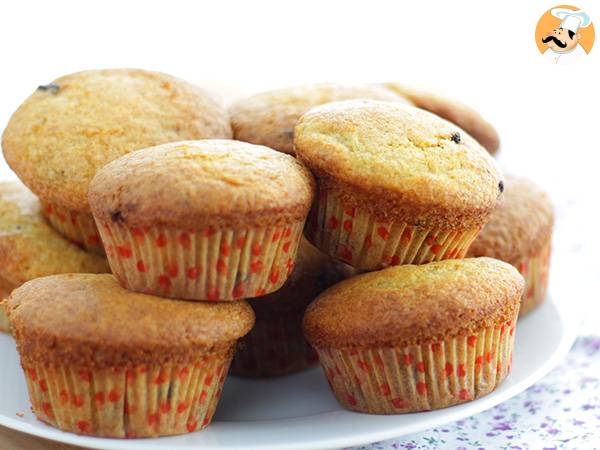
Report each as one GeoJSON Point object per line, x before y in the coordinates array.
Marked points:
{"type": "Point", "coordinates": [5, 290]}
{"type": "Point", "coordinates": [276, 345]}
{"type": "Point", "coordinates": [68, 129]}
{"type": "Point", "coordinates": [30, 248]}
{"type": "Point", "coordinates": [156, 370]}
{"type": "Point", "coordinates": [415, 338]}
{"type": "Point", "coordinates": [454, 111]}
{"type": "Point", "coordinates": [269, 118]}
{"type": "Point", "coordinates": [396, 184]}
{"type": "Point", "coordinates": [202, 220]}
{"type": "Point", "coordinates": [520, 233]}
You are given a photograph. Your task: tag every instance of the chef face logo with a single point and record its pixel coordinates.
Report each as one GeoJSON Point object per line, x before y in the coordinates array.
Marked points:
{"type": "Point", "coordinates": [560, 40]}
{"type": "Point", "coordinates": [564, 33]}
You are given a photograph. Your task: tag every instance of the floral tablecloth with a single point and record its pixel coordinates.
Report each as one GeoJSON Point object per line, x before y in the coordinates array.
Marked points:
{"type": "Point", "coordinates": [562, 411]}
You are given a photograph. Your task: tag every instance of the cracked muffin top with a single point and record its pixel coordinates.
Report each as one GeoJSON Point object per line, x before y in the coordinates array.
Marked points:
{"type": "Point", "coordinates": [205, 183]}
{"type": "Point", "coordinates": [402, 160]}
{"type": "Point", "coordinates": [67, 130]}
{"type": "Point", "coordinates": [268, 118]}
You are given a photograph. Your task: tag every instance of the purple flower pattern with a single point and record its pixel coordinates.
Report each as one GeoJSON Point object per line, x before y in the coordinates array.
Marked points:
{"type": "Point", "coordinates": [562, 411]}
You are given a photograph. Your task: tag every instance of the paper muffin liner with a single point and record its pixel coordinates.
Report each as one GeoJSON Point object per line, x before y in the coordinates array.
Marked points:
{"type": "Point", "coordinates": [76, 226]}
{"type": "Point", "coordinates": [420, 377]}
{"type": "Point", "coordinates": [358, 238]}
{"type": "Point", "coordinates": [206, 264]}
{"type": "Point", "coordinates": [275, 346]}
{"type": "Point", "coordinates": [141, 401]}
{"type": "Point", "coordinates": [535, 270]}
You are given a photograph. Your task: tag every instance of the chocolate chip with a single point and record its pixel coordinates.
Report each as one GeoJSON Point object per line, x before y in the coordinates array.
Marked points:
{"type": "Point", "coordinates": [117, 217]}
{"type": "Point", "coordinates": [288, 134]}
{"type": "Point", "coordinates": [53, 88]}
{"type": "Point", "coordinates": [501, 186]}
{"type": "Point", "coordinates": [456, 137]}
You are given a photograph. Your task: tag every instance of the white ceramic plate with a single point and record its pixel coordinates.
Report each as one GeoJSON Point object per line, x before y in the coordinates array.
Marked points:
{"type": "Point", "coordinates": [298, 411]}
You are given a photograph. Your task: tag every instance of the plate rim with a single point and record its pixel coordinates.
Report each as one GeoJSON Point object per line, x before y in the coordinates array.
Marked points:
{"type": "Point", "coordinates": [569, 321]}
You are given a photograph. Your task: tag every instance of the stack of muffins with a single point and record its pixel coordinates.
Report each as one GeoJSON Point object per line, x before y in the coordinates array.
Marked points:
{"type": "Point", "coordinates": [142, 168]}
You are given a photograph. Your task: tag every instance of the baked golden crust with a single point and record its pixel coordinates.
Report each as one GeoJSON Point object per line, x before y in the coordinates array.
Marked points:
{"type": "Point", "coordinates": [91, 320]}
{"type": "Point", "coordinates": [410, 305]}
{"type": "Point", "coordinates": [64, 132]}
{"type": "Point", "coordinates": [29, 247]}
{"type": "Point", "coordinates": [519, 227]}
{"type": "Point", "coordinates": [246, 185]}
{"type": "Point", "coordinates": [269, 118]}
{"type": "Point", "coordinates": [400, 162]}
{"type": "Point", "coordinates": [313, 273]}
{"type": "Point", "coordinates": [6, 287]}
{"type": "Point", "coordinates": [454, 111]}
{"type": "Point", "coordinates": [5, 290]}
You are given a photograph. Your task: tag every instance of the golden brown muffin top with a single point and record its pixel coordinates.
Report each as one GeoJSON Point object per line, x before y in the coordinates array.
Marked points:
{"type": "Point", "coordinates": [269, 118]}
{"type": "Point", "coordinates": [407, 164]}
{"type": "Point", "coordinates": [195, 184]}
{"type": "Point", "coordinates": [29, 247]}
{"type": "Point", "coordinates": [313, 273]}
{"type": "Point", "coordinates": [454, 111]}
{"type": "Point", "coordinates": [5, 290]}
{"type": "Point", "coordinates": [410, 304]}
{"type": "Point", "coordinates": [67, 130]}
{"type": "Point", "coordinates": [520, 226]}
{"type": "Point", "coordinates": [91, 320]}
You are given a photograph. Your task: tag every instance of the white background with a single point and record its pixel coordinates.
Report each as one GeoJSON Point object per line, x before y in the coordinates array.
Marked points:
{"type": "Point", "coordinates": [481, 52]}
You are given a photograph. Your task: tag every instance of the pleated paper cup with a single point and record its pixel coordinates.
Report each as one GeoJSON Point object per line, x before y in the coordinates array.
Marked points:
{"type": "Point", "coordinates": [275, 346]}
{"type": "Point", "coordinates": [535, 270]}
{"type": "Point", "coordinates": [206, 264]}
{"type": "Point", "coordinates": [76, 226]}
{"type": "Point", "coordinates": [420, 377]}
{"type": "Point", "coordinates": [137, 401]}
{"type": "Point", "coordinates": [357, 237]}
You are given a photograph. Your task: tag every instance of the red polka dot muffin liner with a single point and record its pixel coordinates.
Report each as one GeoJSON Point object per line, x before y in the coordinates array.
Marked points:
{"type": "Point", "coordinates": [208, 264]}
{"type": "Point", "coordinates": [356, 237]}
{"type": "Point", "coordinates": [142, 401]}
{"type": "Point", "coordinates": [76, 226]}
{"type": "Point", "coordinates": [420, 377]}
{"type": "Point", "coordinates": [275, 346]}
{"type": "Point", "coordinates": [535, 270]}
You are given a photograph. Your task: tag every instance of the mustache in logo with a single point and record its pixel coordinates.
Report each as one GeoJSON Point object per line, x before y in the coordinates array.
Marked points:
{"type": "Point", "coordinates": [555, 40]}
